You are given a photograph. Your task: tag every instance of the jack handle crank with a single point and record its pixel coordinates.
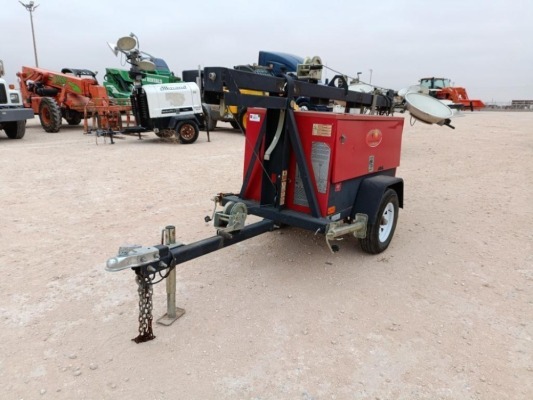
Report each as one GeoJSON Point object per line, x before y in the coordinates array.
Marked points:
{"type": "Point", "coordinates": [447, 122]}
{"type": "Point", "coordinates": [218, 200]}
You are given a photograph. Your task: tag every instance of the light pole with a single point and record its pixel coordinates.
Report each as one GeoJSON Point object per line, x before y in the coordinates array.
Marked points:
{"type": "Point", "coordinates": [370, 76]}
{"type": "Point", "coordinates": [31, 8]}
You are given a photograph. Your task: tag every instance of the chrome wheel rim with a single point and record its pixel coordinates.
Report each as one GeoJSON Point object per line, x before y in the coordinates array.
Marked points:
{"type": "Point", "coordinates": [386, 222]}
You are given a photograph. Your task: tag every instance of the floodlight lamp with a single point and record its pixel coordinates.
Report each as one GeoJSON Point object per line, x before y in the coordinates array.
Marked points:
{"type": "Point", "coordinates": [126, 43]}
{"type": "Point", "coordinates": [146, 65]}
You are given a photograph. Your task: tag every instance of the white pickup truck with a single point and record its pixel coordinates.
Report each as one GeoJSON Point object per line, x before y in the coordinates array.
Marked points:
{"type": "Point", "coordinates": [13, 115]}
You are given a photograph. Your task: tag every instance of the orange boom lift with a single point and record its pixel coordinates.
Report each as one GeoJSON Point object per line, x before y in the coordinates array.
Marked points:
{"type": "Point", "coordinates": [73, 94]}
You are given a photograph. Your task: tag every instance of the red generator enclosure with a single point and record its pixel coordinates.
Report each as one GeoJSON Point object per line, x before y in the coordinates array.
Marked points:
{"type": "Point", "coordinates": [340, 149]}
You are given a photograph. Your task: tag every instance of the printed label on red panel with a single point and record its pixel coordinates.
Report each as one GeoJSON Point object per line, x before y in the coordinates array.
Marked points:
{"type": "Point", "coordinates": [322, 130]}
{"type": "Point", "coordinates": [374, 138]}
{"type": "Point", "coordinates": [255, 117]}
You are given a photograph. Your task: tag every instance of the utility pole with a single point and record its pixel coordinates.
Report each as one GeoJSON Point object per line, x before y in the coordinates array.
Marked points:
{"type": "Point", "coordinates": [31, 8]}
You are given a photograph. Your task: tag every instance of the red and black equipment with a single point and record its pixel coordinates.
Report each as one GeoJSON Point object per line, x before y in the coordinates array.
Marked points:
{"type": "Point", "coordinates": [331, 173]}
{"type": "Point", "coordinates": [312, 169]}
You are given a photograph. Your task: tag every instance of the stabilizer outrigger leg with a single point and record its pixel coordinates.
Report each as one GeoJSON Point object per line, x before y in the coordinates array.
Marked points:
{"type": "Point", "coordinates": [168, 237]}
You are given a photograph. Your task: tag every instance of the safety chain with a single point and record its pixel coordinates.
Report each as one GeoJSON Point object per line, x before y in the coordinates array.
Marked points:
{"type": "Point", "coordinates": [145, 290]}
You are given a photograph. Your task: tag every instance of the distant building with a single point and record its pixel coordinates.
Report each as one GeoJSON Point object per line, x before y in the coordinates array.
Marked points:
{"type": "Point", "coordinates": [514, 105]}
{"type": "Point", "coordinates": [522, 104]}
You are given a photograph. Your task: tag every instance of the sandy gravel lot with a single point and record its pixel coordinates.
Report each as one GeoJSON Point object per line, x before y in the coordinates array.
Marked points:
{"type": "Point", "coordinates": [445, 313]}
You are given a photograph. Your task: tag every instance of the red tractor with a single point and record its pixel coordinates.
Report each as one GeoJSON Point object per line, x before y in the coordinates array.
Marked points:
{"type": "Point", "coordinates": [442, 89]}
{"type": "Point", "coordinates": [73, 94]}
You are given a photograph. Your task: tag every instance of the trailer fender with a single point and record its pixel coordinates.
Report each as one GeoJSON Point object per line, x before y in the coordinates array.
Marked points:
{"type": "Point", "coordinates": [210, 117]}
{"type": "Point", "coordinates": [370, 193]}
{"type": "Point", "coordinates": [206, 108]}
{"type": "Point", "coordinates": [176, 119]}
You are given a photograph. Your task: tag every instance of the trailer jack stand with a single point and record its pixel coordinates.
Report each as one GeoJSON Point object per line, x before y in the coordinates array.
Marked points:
{"type": "Point", "coordinates": [168, 237]}
{"type": "Point", "coordinates": [105, 134]}
{"type": "Point", "coordinates": [173, 312]}
{"type": "Point", "coordinates": [161, 260]}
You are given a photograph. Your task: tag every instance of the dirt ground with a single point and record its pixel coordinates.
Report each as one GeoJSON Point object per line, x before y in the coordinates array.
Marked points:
{"type": "Point", "coordinates": [445, 313]}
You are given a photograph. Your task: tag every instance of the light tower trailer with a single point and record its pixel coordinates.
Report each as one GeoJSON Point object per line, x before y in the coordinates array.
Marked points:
{"type": "Point", "coordinates": [169, 109]}
{"type": "Point", "coordinates": [331, 173]}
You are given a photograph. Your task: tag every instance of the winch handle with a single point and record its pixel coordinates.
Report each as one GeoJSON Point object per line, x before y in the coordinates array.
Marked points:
{"type": "Point", "coordinates": [447, 123]}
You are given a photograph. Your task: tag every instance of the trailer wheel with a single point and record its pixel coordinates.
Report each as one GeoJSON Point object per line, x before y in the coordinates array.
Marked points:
{"type": "Point", "coordinates": [187, 132]}
{"type": "Point", "coordinates": [50, 115]}
{"type": "Point", "coordinates": [380, 233]}
{"type": "Point", "coordinates": [15, 129]}
{"type": "Point", "coordinates": [243, 119]}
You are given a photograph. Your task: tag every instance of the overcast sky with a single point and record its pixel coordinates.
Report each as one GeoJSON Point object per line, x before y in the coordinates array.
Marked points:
{"type": "Point", "coordinates": [484, 45]}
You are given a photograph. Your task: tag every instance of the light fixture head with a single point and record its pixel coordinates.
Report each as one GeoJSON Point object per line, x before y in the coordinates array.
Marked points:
{"type": "Point", "coordinates": [146, 65]}
{"type": "Point", "coordinates": [126, 43]}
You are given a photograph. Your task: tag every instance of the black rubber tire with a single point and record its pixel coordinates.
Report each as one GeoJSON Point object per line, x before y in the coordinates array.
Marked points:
{"type": "Point", "coordinates": [74, 118]}
{"type": "Point", "coordinates": [15, 129]}
{"type": "Point", "coordinates": [243, 119]}
{"type": "Point", "coordinates": [50, 115]}
{"type": "Point", "coordinates": [373, 244]}
{"type": "Point", "coordinates": [304, 106]}
{"type": "Point", "coordinates": [187, 132]}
